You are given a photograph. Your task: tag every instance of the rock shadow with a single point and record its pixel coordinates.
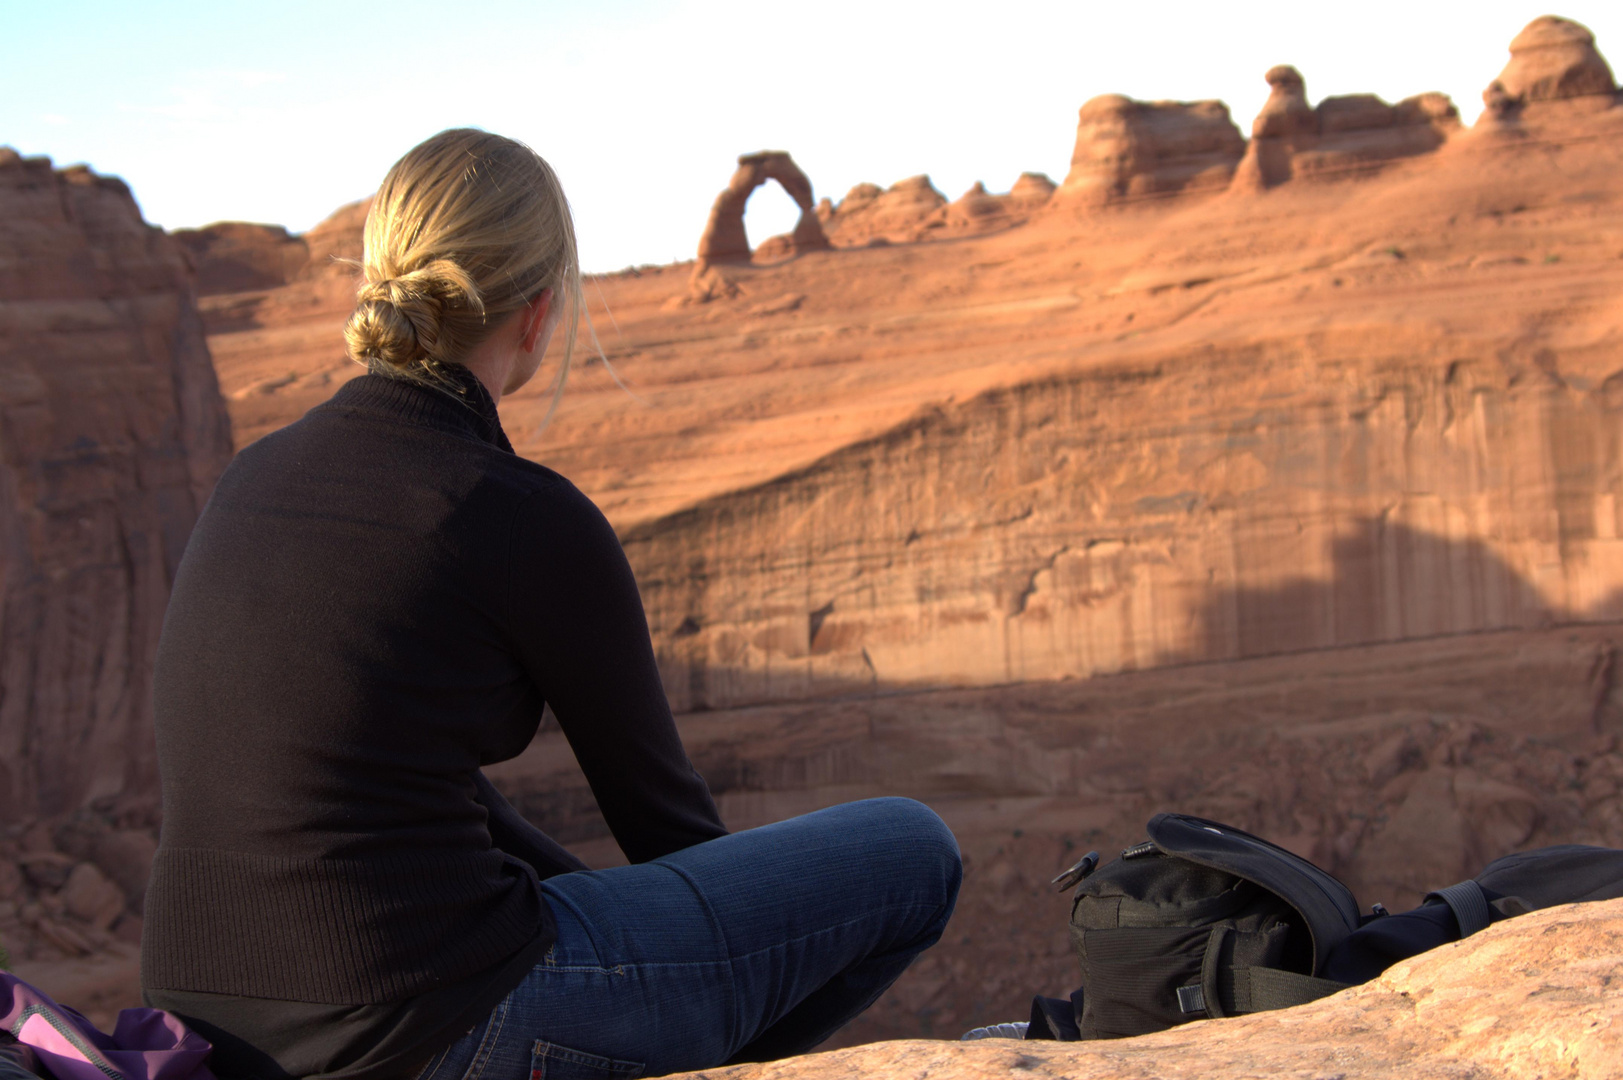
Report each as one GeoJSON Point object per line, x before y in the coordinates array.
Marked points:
{"type": "Point", "coordinates": [1387, 582]}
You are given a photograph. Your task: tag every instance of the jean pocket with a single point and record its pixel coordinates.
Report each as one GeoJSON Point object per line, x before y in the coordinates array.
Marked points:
{"type": "Point", "coordinates": [549, 1061]}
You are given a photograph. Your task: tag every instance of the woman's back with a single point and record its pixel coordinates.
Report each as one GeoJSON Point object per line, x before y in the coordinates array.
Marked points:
{"type": "Point", "coordinates": [377, 601]}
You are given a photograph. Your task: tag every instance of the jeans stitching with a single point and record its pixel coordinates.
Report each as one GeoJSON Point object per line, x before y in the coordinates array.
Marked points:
{"type": "Point", "coordinates": [487, 1045]}
{"type": "Point", "coordinates": [545, 1050]}
{"type": "Point", "coordinates": [433, 1066]}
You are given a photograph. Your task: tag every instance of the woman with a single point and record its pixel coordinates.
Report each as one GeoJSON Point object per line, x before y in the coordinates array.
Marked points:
{"type": "Point", "coordinates": [378, 601]}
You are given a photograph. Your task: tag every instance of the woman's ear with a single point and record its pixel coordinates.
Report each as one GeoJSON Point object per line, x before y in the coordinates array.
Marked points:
{"type": "Point", "coordinates": [535, 318]}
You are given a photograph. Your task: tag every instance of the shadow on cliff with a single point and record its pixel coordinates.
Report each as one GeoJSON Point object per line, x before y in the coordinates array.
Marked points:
{"type": "Point", "coordinates": [1387, 583]}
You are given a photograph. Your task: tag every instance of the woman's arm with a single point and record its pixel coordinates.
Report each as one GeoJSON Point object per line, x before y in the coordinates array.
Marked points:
{"type": "Point", "coordinates": [578, 622]}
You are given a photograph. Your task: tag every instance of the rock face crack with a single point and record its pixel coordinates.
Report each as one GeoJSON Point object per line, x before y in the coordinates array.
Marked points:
{"type": "Point", "coordinates": [814, 622]}
{"type": "Point", "coordinates": [1017, 606]}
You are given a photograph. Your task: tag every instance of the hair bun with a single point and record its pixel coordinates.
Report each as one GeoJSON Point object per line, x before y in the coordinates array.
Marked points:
{"type": "Point", "coordinates": [399, 320]}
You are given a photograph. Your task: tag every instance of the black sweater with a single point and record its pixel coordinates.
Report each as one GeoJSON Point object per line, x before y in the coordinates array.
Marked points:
{"type": "Point", "coordinates": [377, 601]}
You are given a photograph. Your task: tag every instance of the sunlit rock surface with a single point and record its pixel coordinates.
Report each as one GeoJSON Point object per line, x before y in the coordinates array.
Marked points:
{"type": "Point", "coordinates": [1536, 996]}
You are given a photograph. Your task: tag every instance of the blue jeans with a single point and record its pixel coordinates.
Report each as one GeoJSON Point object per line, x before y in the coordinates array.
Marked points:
{"type": "Point", "coordinates": [748, 948]}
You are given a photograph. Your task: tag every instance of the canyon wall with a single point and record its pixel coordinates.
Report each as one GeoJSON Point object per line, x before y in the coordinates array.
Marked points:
{"type": "Point", "coordinates": [112, 433]}
{"type": "Point", "coordinates": [1125, 519]}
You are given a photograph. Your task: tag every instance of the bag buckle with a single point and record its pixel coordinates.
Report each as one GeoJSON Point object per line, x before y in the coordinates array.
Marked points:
{"type": "Point", "coordinates": [1081, 869]}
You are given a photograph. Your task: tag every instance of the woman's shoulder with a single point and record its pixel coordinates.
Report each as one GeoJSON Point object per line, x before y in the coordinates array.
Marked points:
{"type": "Point", "coordinates": [338, 452]}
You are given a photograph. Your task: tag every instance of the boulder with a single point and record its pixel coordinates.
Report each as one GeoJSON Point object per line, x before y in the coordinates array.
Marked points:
{"type": "Point", "coordinates": [1535, 996]}
{"type": "Point", "coordinates": [11, 880]}
{"type": "Point", "coordinates": [89, 894]}
{"type": "Point", "coordinates": [125, 855]}
{"type": "Point", "coordinates": [1551, 59]}
{"type": "Point", "coordinates": [1128, 149]}
{"type": "Point", "coordinates": [47, 870]}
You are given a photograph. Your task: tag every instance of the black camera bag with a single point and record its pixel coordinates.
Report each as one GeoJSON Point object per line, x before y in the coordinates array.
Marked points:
{"type": "Point", "coordinates": [1206, 920]}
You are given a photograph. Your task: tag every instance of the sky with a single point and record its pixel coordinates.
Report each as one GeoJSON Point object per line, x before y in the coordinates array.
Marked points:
{"type": "Point", "coordinates": [281, 112]}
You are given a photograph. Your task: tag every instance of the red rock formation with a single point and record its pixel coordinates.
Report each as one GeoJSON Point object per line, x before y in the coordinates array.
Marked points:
{"type": "Point", "coordinates": [114, 433]}
{"type": "Point", "coordinates": [1031, 190]}
{"type": "Point", "coordinates": [1352, 132]}
{"type": "Point", "coordinates": [1233, 430]}
{"type": "Point", "coordinates": [724, 239]}
{"type": "Point", "coordinates": [1551, 59]}
{"type": "Point", "coordinates": [236, 256]}
{"type": "Point", "coordinates": [337, 237]}
{"type": "Point", "coordinates": [1286, 114]}
{"type": "Point", "coordinates": [902, 213]}
{"type": "Point", "coordinates": [912, 581]}
{"type": "Point", "coordinates": [1128, 149]}
{"type": "Point", "coordinates": [978, 211]}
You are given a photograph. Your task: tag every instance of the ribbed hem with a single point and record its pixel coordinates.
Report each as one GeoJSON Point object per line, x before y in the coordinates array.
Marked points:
{"type": "Point", "coordinates": [334, 931]}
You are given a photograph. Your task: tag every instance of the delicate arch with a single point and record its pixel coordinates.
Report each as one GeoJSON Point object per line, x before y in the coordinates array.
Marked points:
{"type": "Point", "coordinates": [724, 239]}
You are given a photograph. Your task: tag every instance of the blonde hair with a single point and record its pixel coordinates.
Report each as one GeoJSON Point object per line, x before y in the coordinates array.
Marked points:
{"type": "Point", "coordinates": [467, 228]}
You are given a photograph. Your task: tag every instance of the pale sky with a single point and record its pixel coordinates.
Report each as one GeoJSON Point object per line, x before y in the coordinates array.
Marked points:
{"type": "Point", "coordinates": [282, 111]}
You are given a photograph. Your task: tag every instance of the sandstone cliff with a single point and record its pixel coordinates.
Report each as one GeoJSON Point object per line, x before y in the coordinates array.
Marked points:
{"type": "Point", "coordinates": [1191, 484]}
{"type": "Point", "coordinates": [113, 433]}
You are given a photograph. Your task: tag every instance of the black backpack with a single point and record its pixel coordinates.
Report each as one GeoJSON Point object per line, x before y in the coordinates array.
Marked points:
{"type": "Point", "coordinates": [1205, 920]}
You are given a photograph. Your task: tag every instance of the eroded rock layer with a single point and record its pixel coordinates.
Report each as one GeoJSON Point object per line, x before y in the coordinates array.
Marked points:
{"type": "Point", "coordinates": [1128, 149]}
{"type": "Point", "coordinates": [1553, 59]}
{"type": "Point", "coordinates": [113, 434]}
{"type": "Point", "coordinates": [1105, 521]}
{"type": "Point", "coordinates": [1342, 135]}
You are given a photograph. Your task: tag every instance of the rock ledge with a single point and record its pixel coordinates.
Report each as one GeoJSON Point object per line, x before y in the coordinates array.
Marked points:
{"type": "Point", "coordinates": [1537, 996]}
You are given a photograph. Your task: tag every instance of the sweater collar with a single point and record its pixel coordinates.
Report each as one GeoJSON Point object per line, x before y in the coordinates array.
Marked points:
{"type": "Point", "coordinates": [464, 408]}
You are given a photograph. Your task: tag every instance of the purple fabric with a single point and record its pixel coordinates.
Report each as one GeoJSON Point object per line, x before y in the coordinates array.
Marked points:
{"type": "Point", "coordinates": [147, 1044]}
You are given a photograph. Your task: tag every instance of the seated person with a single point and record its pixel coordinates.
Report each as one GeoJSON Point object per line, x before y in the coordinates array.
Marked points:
{"type": "Point", "coordinates": [378, 601]}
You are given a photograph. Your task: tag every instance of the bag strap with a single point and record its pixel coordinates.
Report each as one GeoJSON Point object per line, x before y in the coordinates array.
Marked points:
{"type": "Point", "coordinates": [1469, 905]}
{"type": "Point", "coordinates": [1226, 991]}
{"type": "Point", "coordinates": [1260, 989]}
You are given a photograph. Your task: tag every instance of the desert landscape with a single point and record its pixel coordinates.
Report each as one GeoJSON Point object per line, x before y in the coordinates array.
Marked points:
{"type": "Point", "coordinates": [1273, 477]}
